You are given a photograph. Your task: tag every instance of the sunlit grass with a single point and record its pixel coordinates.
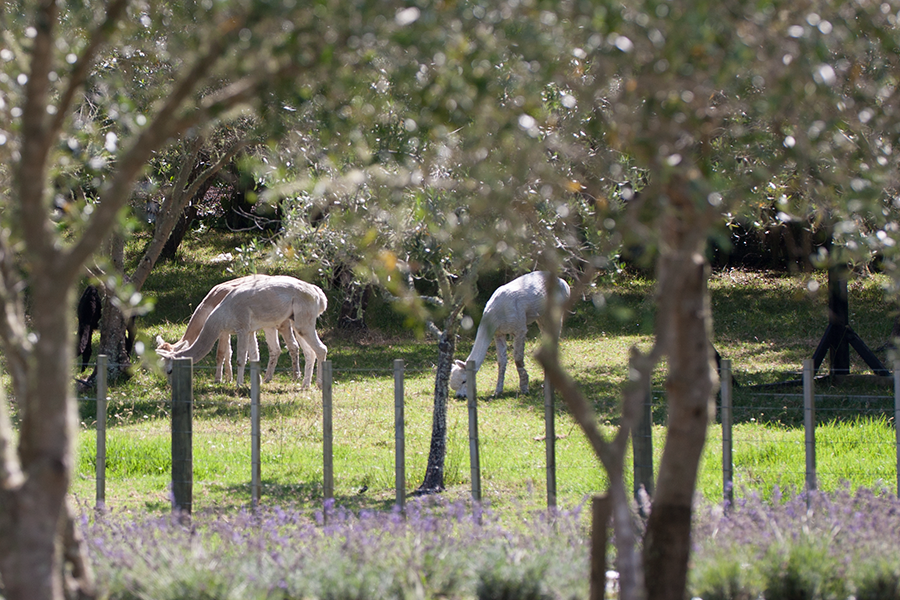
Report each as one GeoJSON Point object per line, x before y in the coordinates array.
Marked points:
{"type": "Point", "coordinates": [766, 324]}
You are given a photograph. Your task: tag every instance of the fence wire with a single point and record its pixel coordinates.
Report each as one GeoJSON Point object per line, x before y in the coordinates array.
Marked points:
{"type": "Point", "coordinates": [855, 439]}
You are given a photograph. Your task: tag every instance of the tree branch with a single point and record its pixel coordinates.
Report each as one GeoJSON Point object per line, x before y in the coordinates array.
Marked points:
{"type": "Point", "coordinates": [83, 65]}
{"type": "Point", "coordinates": [175, 202]}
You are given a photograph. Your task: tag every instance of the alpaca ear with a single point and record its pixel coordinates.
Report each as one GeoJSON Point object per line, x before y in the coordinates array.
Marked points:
{"type": "Point", "coordinates": [460, 364]}
{"type": "Point", "coordinates": [159, 341]}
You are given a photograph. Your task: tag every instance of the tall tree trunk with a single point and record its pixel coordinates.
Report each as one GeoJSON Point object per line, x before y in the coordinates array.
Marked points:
{"type": "Point", "coordinates": [33, 513]}
{"type": "Point", "coordinates": [683, 324]}
{"type": "Point", "coordinates": [113, 324]}
{"type": "Point", "coordinates": [356, 300]}
{"type": "Point", "coordinates": [170, 249]}
{"type": "Point", "coordinates": [434, 471]}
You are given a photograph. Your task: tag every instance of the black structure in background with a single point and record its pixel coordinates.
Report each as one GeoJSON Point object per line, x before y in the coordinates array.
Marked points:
{"type": "Point", "coordinates": [839, 337]}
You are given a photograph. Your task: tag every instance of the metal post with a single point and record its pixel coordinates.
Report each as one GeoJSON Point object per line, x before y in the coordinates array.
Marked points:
{"type": "Point", "coordinates": [327, 437]}
{"type": "Point", "coordinates": [102, 375]}
{"type": "Point", "coordinates": [182, 436]}
{"type": "Point", "coordinates": [897, 418]}
{"type": "Point", "coordinates": [550, 442]}
{"type": "Point", "coordinates": [255, 437]}
{"type": "Point", "coordinates": [399, 437]}
{"type": "Point", "coordinates": [642, 449]}
{"type": "Point", "coordinates": [809, 425]}
{"type": "Point", "coordinates": [727, 420]}
{"type": "Point", "coordinates": [474, 461]}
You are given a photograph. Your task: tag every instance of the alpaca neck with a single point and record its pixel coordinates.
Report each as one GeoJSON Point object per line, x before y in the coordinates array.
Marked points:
{"type": "Point", "coordinates": [482, 343]}
{"type": "Point", "coordinates": [209, 335]}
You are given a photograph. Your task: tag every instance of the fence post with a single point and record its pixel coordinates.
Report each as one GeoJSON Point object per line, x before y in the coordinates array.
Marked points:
{"type": "Point", "coordinates": [550, 440]}
{"type": "Point", "coordinates": [642, 448]}
{"type": "Point", "coordinates": [102, 375]}
{"type": "Point", "coordinates": [474, 460]}
{"type": "Point", "coordinates": [327, 438]}
{"type": "Point", "coordinates": [601, 511]}
{"type": "Point", "coordinates": [897, 418]}
{"type": "Point", "coordinates": [182, 436]}
{"type": "Point", "coordinates": [809, 425]}
{"type": "Point", "coordinates": [727, 419]}
{"type": "Point", "coordinates": [399, 436]}
{"type": "Point", "coordinates": [255, 434]}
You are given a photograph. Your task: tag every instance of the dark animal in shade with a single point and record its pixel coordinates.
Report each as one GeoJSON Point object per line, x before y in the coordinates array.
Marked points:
{"type": "Point", "coordinates": [88, 320]}
{"type": "Point", "coordinates": [89, 311]}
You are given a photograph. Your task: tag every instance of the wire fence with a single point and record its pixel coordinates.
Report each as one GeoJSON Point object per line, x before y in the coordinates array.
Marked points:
{"type": "Point", "coordinates": [300, 447]}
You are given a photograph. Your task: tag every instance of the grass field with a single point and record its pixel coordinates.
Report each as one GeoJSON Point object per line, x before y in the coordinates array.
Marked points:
{"type": "Point", "coordinates": [765, 323]}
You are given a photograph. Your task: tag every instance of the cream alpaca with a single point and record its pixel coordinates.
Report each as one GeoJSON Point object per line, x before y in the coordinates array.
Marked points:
{"type": "Point", "coordinates": [260, 303]}
{"type": "Point", "coordinates": [510, 309]}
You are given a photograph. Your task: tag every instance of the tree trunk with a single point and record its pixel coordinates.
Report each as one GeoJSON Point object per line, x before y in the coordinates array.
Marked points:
{"type": "Point", "coordinates": [32, 507]}
{"type": "Point", "coordinates": [113, 326]}
{"type": "Point", "coordinates": [356, 300]}
{"type": "Point", "coordinates": [434, 471]}
{"type": "Point", "coordinates": [683, 325]}
{"type": "Point", "coordinates": [170, 249]}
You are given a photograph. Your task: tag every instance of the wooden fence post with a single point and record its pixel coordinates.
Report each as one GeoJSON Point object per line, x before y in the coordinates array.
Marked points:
{"type": "Point", "coordinates": [102, 375]}
{"type": "Point", "coordinates": [327, 438]}
{"type": "Point", "coordinates": [182, 436]}
{"type": "Point", "coordinates": [255, 434]}
{"type": "Point", "coordinates": [550, 442]}
{"type": "Point", "coordinates": [601, 510]}
{"type": "Point", "coordinates": [399, 437]}
{"type": "Point", "coordinates": [727, 419]}
{"type": "Point", "coordinates": [642, 447]}
{"type": "Point", "coordinates": [809, 425]}
{"type": "Point", "coordinates": [474, 460]}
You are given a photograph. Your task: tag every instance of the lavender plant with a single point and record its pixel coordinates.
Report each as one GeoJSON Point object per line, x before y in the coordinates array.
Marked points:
{"type": "Point", "coordinates": [839, 545]}
{"type": "Point", "coordinates": [437, 549]}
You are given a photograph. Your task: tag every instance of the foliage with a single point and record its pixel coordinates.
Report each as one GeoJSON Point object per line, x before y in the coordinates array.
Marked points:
{"type": "Point", "coordinates": [823, 546]}
{"type": "Point", "coordinates": [435, 549]}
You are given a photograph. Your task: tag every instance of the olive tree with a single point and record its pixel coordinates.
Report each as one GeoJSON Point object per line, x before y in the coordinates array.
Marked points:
{"type": "Point", "coordinates": [222, 60]}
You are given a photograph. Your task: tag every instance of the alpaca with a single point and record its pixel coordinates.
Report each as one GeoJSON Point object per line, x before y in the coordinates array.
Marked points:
{"type": "Point", "coordinates": [89, 312]}
{"type": "Point", "coordinates": [89, 306]}
{"type": "Point", "coordinates": [263, 302]}
{"type": "Point", "coordinates": [223, 351]}
{"type": "Point", "coordinates": [510, 309]}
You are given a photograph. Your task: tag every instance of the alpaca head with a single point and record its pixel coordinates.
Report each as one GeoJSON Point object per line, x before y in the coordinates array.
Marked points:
{"type": "Point", "coordinates": [458, 378]}
{"type": "Point", "coordinates": [166, 351]}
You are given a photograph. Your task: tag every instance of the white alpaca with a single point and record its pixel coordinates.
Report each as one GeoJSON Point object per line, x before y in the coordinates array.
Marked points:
{"type": "Point", "coordinates": [510, 309]}
{"type": "Point", "coordinates": [223, 351]}
{"type": "Point", "coordinates": [264, 302]}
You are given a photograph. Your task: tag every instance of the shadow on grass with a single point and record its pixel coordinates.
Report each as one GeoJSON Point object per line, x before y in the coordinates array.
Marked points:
{"type": "Point", "coordinates": [310, 495]}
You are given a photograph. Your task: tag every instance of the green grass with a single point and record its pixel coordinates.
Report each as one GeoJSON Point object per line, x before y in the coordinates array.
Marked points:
{"type": "Point", "coordinates": [766, 324]}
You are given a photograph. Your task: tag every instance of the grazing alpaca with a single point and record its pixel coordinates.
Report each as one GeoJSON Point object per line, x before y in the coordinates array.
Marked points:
{"type": "Point", "coordinates": [89, 306]}
{"type": "Point", "coordinates": [263, 302]}
{"type": "Point", "coordinates": [223, 351]}
{"type": "Point", "coordinates": [510, 309]}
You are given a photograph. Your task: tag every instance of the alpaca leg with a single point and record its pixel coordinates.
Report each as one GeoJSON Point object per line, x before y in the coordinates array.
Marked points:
{"type": "Point", "coordinates": [245, 345]}
{"type": "Point", "coordinates": [308, 333]}
{"type": "Point", "coordinates": [223, 357]}
{"type": "Point", "coordinates": [309, 361]}
{"type": "Point", "coordinates": [274, 352]}
{"type": "Point", "coordinates": [293, 346]}
{"type": "Point", "coordinates": [500, 342]}
{"type": "Point", "coordinates": [519, 356]}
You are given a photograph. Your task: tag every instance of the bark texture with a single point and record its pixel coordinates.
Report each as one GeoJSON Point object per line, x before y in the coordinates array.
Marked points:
{"type": "Point", "coordinates": [434, 471]}
{"type": "Point", "coordinates": [682, 329]}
